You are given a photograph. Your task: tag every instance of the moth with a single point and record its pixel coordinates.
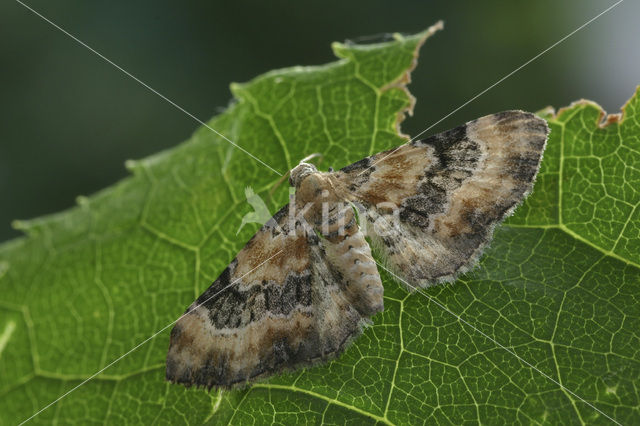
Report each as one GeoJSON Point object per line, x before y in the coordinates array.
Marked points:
{"type": "Point", "coordinates": [306, 284]}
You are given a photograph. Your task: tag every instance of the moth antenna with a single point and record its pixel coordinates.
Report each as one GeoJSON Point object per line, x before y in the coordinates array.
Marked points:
{"type": "Point", "coordinates": [277, 184]}
{"type": "Point", "coordinates": [304, 160]}
{"type": "Point", "coordinates": [312, 156]}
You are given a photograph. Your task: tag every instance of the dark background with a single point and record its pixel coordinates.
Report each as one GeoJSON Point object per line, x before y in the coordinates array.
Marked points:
{"type": "Point", "coordinates": [69, 120]}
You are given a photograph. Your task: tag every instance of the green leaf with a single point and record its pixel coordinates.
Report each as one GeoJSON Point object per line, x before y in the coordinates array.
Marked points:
{"type": "Point", "coordinates": [550, 320]}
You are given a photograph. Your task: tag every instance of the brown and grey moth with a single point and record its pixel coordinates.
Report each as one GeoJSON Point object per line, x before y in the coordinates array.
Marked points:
{"type": "Point", "coordinates": [304, 286]}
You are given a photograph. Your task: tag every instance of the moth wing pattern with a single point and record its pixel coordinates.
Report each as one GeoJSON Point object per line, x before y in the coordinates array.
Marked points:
{"type": "Point", "coordinates": [450, 191]}
{"type": "Point", "coordinates": [297, 294]}
{"type": "Point", "coordinates": [296, 309]}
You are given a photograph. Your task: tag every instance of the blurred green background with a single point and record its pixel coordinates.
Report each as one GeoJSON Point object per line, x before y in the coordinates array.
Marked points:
{"type": "Point", "coordinates": [68, 120]}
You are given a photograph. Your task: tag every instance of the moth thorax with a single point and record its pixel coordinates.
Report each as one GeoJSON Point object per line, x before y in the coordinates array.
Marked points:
{"type": "Point", "coordinates": [300, 172]}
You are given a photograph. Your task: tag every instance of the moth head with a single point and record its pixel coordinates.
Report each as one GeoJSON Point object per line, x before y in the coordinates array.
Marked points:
{"type": "Point", "coordinates": [301, 171]}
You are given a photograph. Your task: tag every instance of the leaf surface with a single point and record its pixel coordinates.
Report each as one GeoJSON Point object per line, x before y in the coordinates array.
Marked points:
{"type": "Point", "coordinates": [546, 329]}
